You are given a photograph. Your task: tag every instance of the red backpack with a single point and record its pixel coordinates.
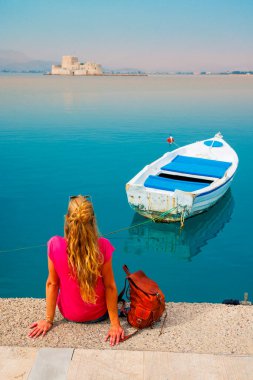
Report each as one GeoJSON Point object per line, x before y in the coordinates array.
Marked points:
{"type": "Point", "coordinates": [147, 302]}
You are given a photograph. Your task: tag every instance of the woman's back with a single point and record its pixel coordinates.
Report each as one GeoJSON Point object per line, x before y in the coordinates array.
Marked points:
{"type": "Point", "coordinates": [69, 301]}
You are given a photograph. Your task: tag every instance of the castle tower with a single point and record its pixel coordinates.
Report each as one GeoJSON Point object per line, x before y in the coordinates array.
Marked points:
{"type": "Point", "coordinates": [68, 62]}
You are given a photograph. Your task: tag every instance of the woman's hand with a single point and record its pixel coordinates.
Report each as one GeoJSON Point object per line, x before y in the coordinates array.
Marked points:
{"type": "Point", "coordinates": [39, 328]}
{"type": "Point", "coordinates": [115, 334]}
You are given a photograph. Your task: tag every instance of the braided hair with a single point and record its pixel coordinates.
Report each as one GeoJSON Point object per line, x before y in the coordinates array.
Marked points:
{"type": "Point", "coordinates": [84, 257]}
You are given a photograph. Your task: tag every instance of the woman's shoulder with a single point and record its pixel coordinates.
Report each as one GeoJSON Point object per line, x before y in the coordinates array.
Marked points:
{"type": "Point", "coordinates": [56, 244]}
{"type": "Point", "coordinates": [105, 243]}
{"type": "Point", "coordinates": [56, 240]}
{"type": "Point", "coordinates": [106, 248]}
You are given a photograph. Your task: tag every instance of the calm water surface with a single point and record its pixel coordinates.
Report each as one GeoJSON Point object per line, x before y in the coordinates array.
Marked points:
{"type": "Point", "coordinates": [64, 136]}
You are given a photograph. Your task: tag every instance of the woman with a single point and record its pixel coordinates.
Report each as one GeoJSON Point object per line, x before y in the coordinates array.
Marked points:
{"type": "Point", "coordinates": [80, 266]}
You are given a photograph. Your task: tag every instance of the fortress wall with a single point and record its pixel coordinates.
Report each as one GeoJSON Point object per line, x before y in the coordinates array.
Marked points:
{"type": "Point", "coordinates": [71, 66]}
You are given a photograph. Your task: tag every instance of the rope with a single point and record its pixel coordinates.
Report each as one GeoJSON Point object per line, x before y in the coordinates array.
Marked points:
{"type": "Point", "coordinates": [22, 248]}
{"type": "Point", "coordinates": [182, 219]}
{"type": "Point", "coordinates": [126, 228]}
{"type": "Point", "coordinates": [157, 219]}
{"type": "Point", "coordinates": [140, 224]}
{"type": "Point", "coordinates": [176, 144]}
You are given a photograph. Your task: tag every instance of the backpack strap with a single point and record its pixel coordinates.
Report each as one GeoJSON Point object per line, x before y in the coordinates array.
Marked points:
{"type": "Point", "coordinates": [125, 268]}
{"type": "Point", "coordinates": [138, 330]}
{"type": "Point", "coordinates": [164, 319]}
{"type": "Point", "coordinates": [120, 296]}
{"type": "Point", "coordinates": [129, 336]}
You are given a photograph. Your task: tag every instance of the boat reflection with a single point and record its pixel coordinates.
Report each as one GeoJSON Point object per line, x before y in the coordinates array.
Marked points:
{"type": "Point", "coordinates": [185, 243]}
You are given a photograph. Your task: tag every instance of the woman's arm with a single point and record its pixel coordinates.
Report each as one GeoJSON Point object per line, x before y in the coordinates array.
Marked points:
{"type": "Point", "coordinates": [116, 333]}
{"type": "Point", "coordinates": [52, 288]}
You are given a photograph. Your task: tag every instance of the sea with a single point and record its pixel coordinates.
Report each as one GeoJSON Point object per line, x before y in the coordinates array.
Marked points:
{"type": "Point", "coordinates": [63, 136]}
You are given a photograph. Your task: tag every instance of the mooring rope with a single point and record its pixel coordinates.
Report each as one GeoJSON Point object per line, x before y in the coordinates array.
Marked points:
{"type": "Point", "coordinates": [157, 219]}
{"type": "Point", "coordinates": [22, 248]}
{"type": "Point", "coordinates": [182, 218]}
{"type": "Point", "coordinates": [178, 146]}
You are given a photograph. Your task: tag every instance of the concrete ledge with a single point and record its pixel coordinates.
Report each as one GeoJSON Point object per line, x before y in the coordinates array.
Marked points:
{"type": "Point", "coordinates": [82, 364]}
{"type": "Point", "coordinates": [16, 362]}
{"type": "Point", "coordinates": [148, 365]}
{"type": "Point", "coordinates": [200, 328]}
{"type": "Point", "coordinates": [51, 363]}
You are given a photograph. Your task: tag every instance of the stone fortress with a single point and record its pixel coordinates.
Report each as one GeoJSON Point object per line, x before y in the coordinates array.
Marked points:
{"type": "Point", "coordinates": [71, 66]}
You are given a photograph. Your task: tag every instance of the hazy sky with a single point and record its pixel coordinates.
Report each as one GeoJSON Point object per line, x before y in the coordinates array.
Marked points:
{"type": "Point", "coordinates": [172, 35]}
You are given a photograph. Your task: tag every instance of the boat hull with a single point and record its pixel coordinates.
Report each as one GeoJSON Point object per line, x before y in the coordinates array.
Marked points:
{"type": "Point", "coordinates": [200, 204]}
{"type": "Point", "coordinates": [166, 205]}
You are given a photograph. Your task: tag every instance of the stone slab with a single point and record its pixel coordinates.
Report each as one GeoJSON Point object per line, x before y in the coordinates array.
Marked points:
{"type": "Point", "coordinates": [149, 365]}
{"type": "Point", "coordinates": [69, 364]}
{"type": "Point", "coordinates": [16, 362]}
{"type": "Point", "coordinates": [106, 364]}
{"type": "Point", "coordinates": [51, 363]}
{"type": "Point", "coordinates": [165, 365]}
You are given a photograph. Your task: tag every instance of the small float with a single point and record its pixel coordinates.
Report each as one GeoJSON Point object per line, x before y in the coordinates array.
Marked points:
{"type": "Point", "coordinates": [183, 182]}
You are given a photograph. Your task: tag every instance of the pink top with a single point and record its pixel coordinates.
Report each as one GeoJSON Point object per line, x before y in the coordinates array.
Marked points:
{"type": "Point", "coordinates": [69, 300]}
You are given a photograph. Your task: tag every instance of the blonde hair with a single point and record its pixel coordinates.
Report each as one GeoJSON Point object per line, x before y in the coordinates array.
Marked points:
{"type": "Point", "coordinates": [84, 256]}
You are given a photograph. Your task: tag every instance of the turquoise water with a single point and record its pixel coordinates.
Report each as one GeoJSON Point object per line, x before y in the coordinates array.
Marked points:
{"type": "Point", "coordinates": [66, 136]}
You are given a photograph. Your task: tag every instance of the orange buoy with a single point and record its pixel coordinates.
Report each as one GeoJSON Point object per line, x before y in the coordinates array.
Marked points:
{"type": "Point", "coordinates": [170, 140]}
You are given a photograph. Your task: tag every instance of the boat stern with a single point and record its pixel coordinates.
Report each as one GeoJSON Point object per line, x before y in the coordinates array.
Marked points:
{"type": "Point", "coordinates": [160, 205]}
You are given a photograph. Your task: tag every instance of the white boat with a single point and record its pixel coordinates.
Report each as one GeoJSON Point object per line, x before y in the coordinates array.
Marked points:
{"type": "Point", "coordinates": [184, 182]}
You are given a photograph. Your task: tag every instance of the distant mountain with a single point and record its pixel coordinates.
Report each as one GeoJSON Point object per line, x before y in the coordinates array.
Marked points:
{"type": "Point", "coordinates": [15, 61]}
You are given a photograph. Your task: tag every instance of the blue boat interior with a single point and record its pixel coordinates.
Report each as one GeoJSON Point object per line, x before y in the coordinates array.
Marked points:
{"type": "Point", "coordinates": [156, 182]}
{"type": "Point", "coordinates": [187, 165]}
{"type": "Point", "coordinates": [197, 166]}
{"type": "Point", "coordinates": [213, 143]}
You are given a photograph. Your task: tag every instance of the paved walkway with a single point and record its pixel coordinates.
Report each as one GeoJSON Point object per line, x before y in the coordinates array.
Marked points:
{"type": "Point", "coordinates": [20, 363]}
